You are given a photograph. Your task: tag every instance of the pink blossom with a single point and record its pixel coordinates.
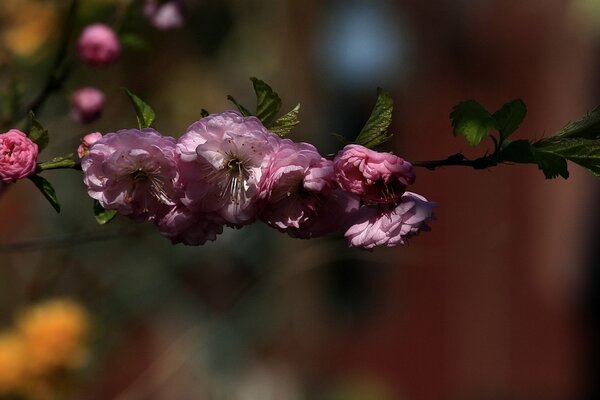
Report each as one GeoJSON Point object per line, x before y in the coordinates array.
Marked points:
{"type": "Point", "coordinates": [375, 177]}
{"type": "Point", "coordinates": [223, 159]}
{"type": "Point", "coordinates": [389, 225]}
{"type": "Point", "coordinates": [184, 226]}
{"type": "Point", "coordinates": [132, 171]}
{"type": "Point", "coordinates": [18, 156]}
{"type": "Point", "coordinates": [298, 192]}
{"type": "Point", "coordinates": [87, 104]}
{"type": "Point", "coordinates": [98, 45]}
{"type": "Point", "coordinates": [164, 15]}
{"type": "Point", "coordinates": [86, 142]}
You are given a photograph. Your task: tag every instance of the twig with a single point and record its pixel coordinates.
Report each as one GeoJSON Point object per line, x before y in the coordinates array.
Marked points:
{"type": "Point", "coordinates": [458, 160]}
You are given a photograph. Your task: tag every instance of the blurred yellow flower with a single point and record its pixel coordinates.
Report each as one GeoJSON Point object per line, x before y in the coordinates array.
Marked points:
{"type": "Point", "coordinates": [12, 362]}
{"type": "Point", "coordinates": [54, 335]}
{"type": "Point", "coordinates": [27, 25]}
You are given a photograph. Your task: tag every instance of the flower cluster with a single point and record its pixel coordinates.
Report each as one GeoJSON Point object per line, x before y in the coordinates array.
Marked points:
{"type": "Point", "coordinates": [46, 339]}
{"type": "Point", "coordinates": [229, 170]}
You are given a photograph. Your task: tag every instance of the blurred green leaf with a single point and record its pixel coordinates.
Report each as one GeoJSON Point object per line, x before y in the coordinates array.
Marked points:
{"type": "Point", "coordinates": [134, 42]}
{"type": "Point", "coordinates": [204, 113]}
{"type": "Point", "coordinates": [268, 102]}
{"type": "Point", "coordinates": [37, 133]}
{"type": "Point", "coordinates": [508, 118]}
{"type": "Point", "coordinates": [47, 190]}
{"type": "Point", "coordinates": [472, 121]}
{"type": "Point", "coordinates": [144, 113]}
{"type": "Point", "coordinates": [375, 132]}
{"type": "Point", "coordinates": [284, 124]}
{"type": "Point", "coordinates": [102, 215]}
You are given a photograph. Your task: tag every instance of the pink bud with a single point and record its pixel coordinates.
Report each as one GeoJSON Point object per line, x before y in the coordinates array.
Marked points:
{"type": "Point", "coordinates": [98, 45]}
{"type": "Point", "coordinates": [18, 156]}
{"type": "Point", "coordinates": [87, 104]}
{"type": "Point", "coordinates": [86, 142]}
{"type": "Point", "coordinates": [166, 15]}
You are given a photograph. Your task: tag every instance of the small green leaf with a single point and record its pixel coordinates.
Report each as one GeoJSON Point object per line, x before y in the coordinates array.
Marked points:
{"type": "Point", "coordinates": [375, 131]}
{"type": "Point", "coordinates": [144, 113]}
{"type": "Point", "coordinates": [47, 190]}
{"type": "Point", "coordinates": [552, 165]}
{"type": "Point", "coordinates": [284, 124]}
{"type": "Point", "coordinates": [508, 118]}
{"type": "Point", "coordinates": [471, 120]}
{"type": "Point", "coordinates": [584, 152]}
{"type": "Point", "coordinates": [587, 127]}
{"type": "Point", "coordinates": [37, 133]}
{"type": "Point", "coordinates": [268, 102]}
{"type": "Point", "coordinates": [519, 151]}
{"type": "Point", "coordinates": [102, 215]}
{"type": "Point", "coordinates": [240, 107]}
{"type": "Point", "coordinates": [204, 113]}
{"type": "Point", "coordinates": [67, 161]}
{"type": "Point", "coordinates": [134, 42]}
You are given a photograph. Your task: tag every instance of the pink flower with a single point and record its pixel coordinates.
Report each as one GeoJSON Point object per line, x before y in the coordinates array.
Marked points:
{"type": "Point", "coordinates": [18, 156]}
{"type": "Point", "coordinates": [86, 142]}
{"type": "Point", "coordinates": [375, 177]}
{"type": "Point", "coordinates": [98, 45]}
{"type": "Point", "coordinates": [223, 159]}
{"type": "Point", "coordinates": [184, 226]}
{"type": "Point", "coordinates": [132, 171]}
{"type": "Point", "coordinates": [298, 192]}
{"type": "Point", "coordinates": [87, 104]}
{"type": "Point", "coordinates": [389, 225]}
{"type": "Point", "coordinates": [164, 15]}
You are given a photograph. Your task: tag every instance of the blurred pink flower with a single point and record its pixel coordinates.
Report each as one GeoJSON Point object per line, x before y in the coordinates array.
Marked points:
{"type": "Point", "coordinates": [86, 142]}
{"type": "Point", "coordinates": [98, 45]}
{"type": "Point", "coordinates": [18, 156]}
{"type": "Point", "coordinates": [389, 225]}
{"type": "Point", "coordinates": [375, 177]}
{"type": "Point", "coordinates": [132, 171]}
{"type": "Point", "coordinates": [184, 226]}
{"type": "Point", "coordinates": [223, 159]}
{"type": "Point", "coordinates": [87, 104]}
{"type": "Point", "coordinates": [165, 15]}
{"type": "Point", "coordinates": [298, 192]}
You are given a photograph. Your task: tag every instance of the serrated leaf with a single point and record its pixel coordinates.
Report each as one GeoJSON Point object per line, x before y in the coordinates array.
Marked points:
{"type": "Point", "coordinates": [375, 131]}
{"type": "Point", "coordinates": [67, 161]}
{"type": "Point", "coordinates": [102, 215]}
{"type": "Point", "coordinates": [519, 151]}
{"type": "Point", "coordinates": [472, 121]}
{"type": "Point", "coordinates": [552, 165]}
{"type": "Point", "coordinates": [47, 190]}
{"type": "Point", "coordinates": [144, 113]}
{"type": "Point", "coordinates": [268, 102]}
{"type": "Point", "coordinates": [245, 112]}
{"type": "Point", "coordinates": [508, 118]}
{"type": "Point", "coordinates": [584, 152]}
{"type": "Point", "coordinates": [204, 113]}
{"type": "Point", "coordinates": [284, 124]}
{"type": "Point", "coordinates": [587, 127]}
{"type": "Point", "coordinates": [37, 133]}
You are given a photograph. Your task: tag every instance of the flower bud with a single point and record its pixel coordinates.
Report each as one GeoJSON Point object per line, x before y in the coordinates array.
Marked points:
{"type": "Point", "coordinates": [86, 142]}
{"type": "Point", "coordinates": [18, 156]}
{"type": "Point", "coordinates": [87, 104]}
{"type": "Point", "coordinates": [166, 15]}
{"type": "Point", "coordinates": [98, 45]}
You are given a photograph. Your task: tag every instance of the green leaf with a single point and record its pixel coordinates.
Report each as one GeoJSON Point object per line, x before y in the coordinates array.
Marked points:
{"type": "Point", "coordinates": [508, 118]}
{"type": "Point", "coordinates": [102, 215]}
{"type": "Point", "coordinates": [245, 112]}
{"type": "Point", "coordinates": [47, 190]}
{"type": "Point", "coordinates": [37, 133]}
{"type": "Point", "coordinates": [341, 138]}
{"type": "Point", "coordinates": [471, 120]}
{"type": "Point", "coordinates": [134, 42]}
{"type": "Point", "coordinates": [268, 102]}
{"type": "Point", "coordinates": [587, 127]}
{"type": "Point", "coordinates": [145, 114]}
{"type": "Point", "coordinates": [67, 161]}
{"type": "Point", "coordinates": [552, 165]}
{"type": "Point", "coordinates": [519, 151]}
{"type": "Point", "coordinates": [584, 152]}
{"type": "Point", "coordinates": [375, 132]}
{"type": "Point", "coordinates": [284, 124]}
{"type": "Point", "coordinates": [204, 113]}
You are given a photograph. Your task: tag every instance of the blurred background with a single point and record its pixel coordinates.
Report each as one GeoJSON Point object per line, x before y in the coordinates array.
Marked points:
{"type": "Point", "coordinates": [499, 301]}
